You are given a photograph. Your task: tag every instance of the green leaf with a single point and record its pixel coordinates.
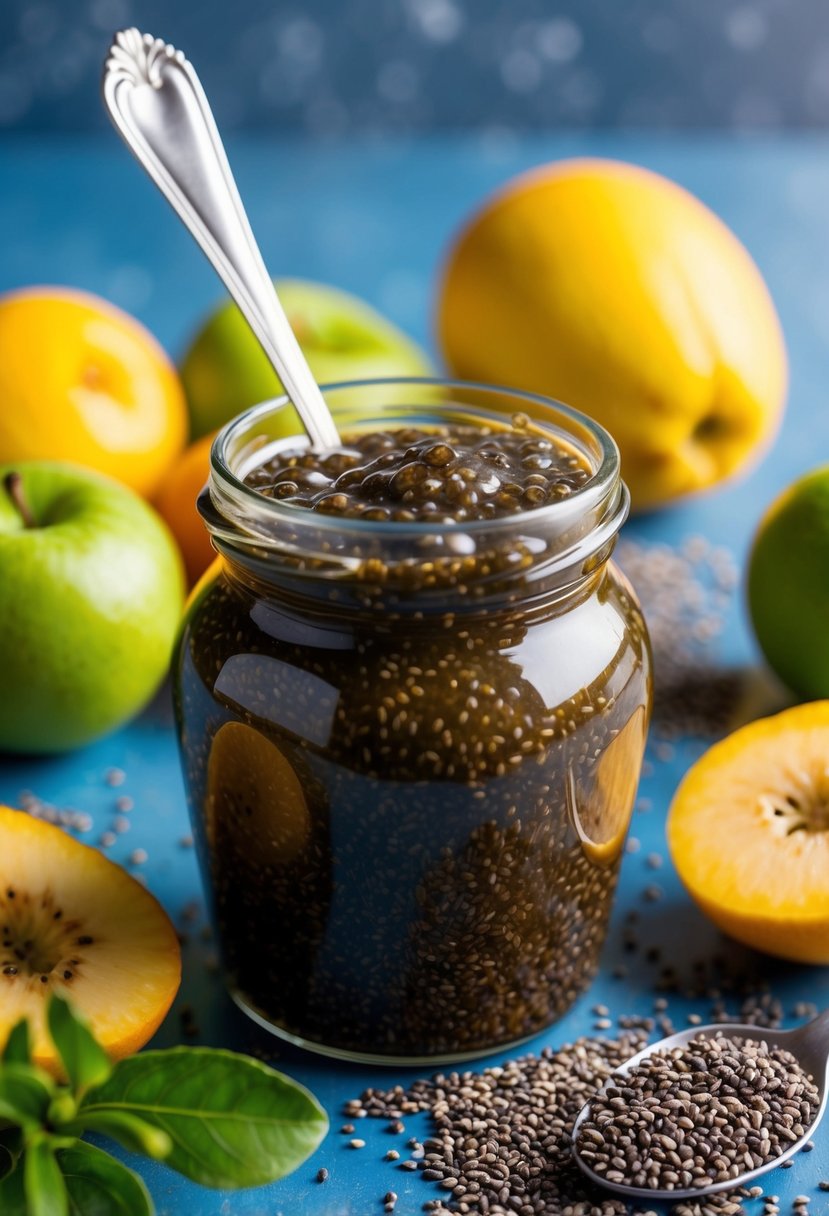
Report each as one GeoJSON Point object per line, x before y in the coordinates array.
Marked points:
{"type": "Point", "coordinates": [83, 1057]}
{"type": "Point", "coordinates": [132, 1133]}
{"type": "Point", "coordinates": [46, 1193]}
{"type": "Point", "coordinates": [13, 1194]}
{"type": "Point", "coordinates": [99, 1185]}
{"type": "Point", "coordinates": [18, 1046]}
{"type": "Point", "coordinates": [25, 1094]}
{"type": "Point", "coordinates": [233, 1121]}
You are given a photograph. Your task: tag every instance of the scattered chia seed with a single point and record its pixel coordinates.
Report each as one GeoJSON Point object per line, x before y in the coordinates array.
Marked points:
{"type": "Point", "coordinates": [392, 1155]}
{"type": "Point", "coordinates": [654, 861]}
{"type": "Point", "coordinates": [705, 1112]}
{"type": "Point", "coordinates": [124, 804]}
{"type": "Point", "coordinates": [107, 840]}
{"type": "Point", "coordinates": [355, 1143]}
{"type": "Point", "coordinates": [500, 1138]}
{"type": "Point", "coordinates": [120, 824]}
{"type": "Point", "coordinates": [347, 1129]}
{"type": "Point", "coordinates": [114, 777]}
{"type": "Point", "coordinates": [685, 594]}
{"type": "Point", "coordinates": [322, 1174]}
{"type": "Point", "coordinates": [138, 857]}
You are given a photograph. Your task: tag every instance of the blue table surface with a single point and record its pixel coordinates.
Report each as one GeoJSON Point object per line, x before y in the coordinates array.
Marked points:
{"type": "Point", "coordinates": [375, 217]}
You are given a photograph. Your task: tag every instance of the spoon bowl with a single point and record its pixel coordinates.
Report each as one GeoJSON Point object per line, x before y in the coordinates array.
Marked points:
{"type": "Point", "coordinates": [808, 1044]}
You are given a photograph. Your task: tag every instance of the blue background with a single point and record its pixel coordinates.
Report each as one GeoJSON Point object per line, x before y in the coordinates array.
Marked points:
{"type": "Point", "coordinates": [332, 67]}
{"type": "Point", "coordinates": [375, 216]}
{"type": "Point", "coordinates": [362, 133]}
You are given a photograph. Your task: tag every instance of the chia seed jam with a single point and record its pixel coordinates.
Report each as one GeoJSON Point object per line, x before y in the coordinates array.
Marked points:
{"type": "Point", "coordinates": [411, 734]}
{"type": "Point", "coordinates": [439, 476]}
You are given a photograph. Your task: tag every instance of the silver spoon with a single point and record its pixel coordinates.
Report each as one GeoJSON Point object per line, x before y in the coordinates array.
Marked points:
{"type": "Point", "coordinates": [809, 1045]}
{"type": "Point", "coordinates": [158, 106]}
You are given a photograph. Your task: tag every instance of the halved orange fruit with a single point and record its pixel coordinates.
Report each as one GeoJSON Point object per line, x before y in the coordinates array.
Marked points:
{"type": "Point", "coordinates": [74, 923]}
{"type": "Point", "coordinates": [748, 831]}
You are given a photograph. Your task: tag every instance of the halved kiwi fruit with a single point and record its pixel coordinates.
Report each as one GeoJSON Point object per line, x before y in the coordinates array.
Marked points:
{"type": "Point", "coordinates": [74, 923]}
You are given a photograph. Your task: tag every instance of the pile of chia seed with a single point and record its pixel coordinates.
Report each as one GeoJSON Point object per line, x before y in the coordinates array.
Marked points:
{"type": "Point", "coordinates": [699, 1114]}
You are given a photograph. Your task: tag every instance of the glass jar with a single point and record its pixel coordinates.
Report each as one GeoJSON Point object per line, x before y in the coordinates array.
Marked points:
{"type": "Point", "coordinates": [411, 751]}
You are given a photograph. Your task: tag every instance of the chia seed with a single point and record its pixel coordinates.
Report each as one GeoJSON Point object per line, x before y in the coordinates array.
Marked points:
{"type": "Point", "coordinates": [705, 1112]}
{"type": "Point", "coordinates": [439, 476]}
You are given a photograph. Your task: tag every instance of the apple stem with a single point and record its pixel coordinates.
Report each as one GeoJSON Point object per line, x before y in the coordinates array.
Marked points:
{"type": "Point", "coordinates": [13, 485]}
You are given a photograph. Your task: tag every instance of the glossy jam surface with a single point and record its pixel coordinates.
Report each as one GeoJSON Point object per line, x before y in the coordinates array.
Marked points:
{"type": "Point", "coordinates": [443, 475]}
{"type": "Point", "coordinates": [411, 822]}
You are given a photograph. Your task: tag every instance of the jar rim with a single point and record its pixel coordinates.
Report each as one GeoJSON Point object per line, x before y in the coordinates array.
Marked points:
{"type": "Point", "coordinates": [598, 486]}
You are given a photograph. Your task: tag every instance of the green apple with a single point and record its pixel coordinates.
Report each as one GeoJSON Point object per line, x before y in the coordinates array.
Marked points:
{"type": "Point", "coordinates": [91, 591]}
{"type": "Point", "coordinates": [343, 338]}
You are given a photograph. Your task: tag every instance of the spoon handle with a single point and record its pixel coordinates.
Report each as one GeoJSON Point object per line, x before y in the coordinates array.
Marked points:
{"type": "Point", "coordinates": [158, 106]}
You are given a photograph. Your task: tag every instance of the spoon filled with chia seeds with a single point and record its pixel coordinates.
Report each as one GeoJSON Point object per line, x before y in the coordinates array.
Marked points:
{"type": "Point", "coordinates": [708, 1109]}
{"type": "Point", "coordinates": [159, 108]}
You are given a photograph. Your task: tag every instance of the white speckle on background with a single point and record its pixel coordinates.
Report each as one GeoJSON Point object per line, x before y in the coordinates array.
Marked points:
{"type": "Point", "coordinates": [130, 287]}
{"type": "Point", "coordinates": [560, 40]}
{"type": "Point", "coordinates": [437, 20]}
{"type": "Point", "coordinates": [746, 28]}
{"type": "Point", "coordinates": [302, 41]}
{"type": "Point", "coordinates": [521, 71]}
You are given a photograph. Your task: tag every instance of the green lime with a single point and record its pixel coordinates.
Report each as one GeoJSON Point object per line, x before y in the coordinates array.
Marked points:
{"type": "Point", "coordinates": [788, 585]}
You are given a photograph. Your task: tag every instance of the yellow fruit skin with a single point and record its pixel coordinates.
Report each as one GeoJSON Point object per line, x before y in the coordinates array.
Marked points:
{"type": "Point", "coordinates": [82, 381]}
{"type": "Point", "coordinates": [134, 969]}
{"type": "Point", "coordinates": [766, 889]}
{"type": "Point", "coordinates": [616, 291]}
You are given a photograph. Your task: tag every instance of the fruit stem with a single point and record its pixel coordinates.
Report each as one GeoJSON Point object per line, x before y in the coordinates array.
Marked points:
{"type": "Point", "coordinates": [13, 485]}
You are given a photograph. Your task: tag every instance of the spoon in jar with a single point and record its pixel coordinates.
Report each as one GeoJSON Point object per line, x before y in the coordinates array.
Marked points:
{"type": "Point", "coordinates": [808, 1044]}
{"type": "Point", "coordinates": [159, 108]}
